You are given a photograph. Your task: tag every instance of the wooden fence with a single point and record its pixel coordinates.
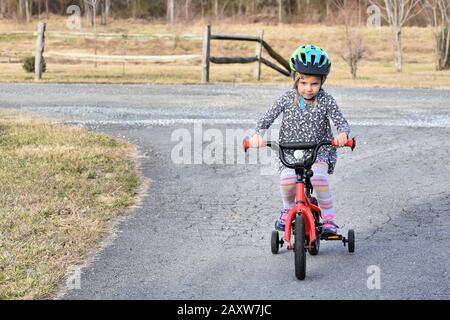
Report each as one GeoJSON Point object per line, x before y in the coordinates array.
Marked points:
{"type": "Point", "coordinates": [207, 59]}
{"type": "Point", "coordinates": [86, 57]}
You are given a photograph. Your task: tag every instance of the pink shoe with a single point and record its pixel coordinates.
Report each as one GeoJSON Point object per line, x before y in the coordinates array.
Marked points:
{"type": "Point", "coordinates": [329, 228]}
{"type": "Point", "coordinates": [281, 221]}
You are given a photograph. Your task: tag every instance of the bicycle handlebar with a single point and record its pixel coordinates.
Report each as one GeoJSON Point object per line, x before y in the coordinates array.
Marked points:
{"type": "Point", "coordinates": [351, 143]}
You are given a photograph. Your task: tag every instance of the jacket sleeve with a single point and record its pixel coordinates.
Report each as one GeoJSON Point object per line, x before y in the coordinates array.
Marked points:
{"type": "Point", "coordinates": [274, 111]}
{"type": "Point", "coordinates": [337, 117]}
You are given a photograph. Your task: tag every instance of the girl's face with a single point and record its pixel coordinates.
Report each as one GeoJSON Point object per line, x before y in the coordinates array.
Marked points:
{"type": "Point", "coordinates": [308, 86]}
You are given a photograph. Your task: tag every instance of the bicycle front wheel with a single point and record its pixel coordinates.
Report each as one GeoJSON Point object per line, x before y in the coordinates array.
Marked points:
{"type": "Point", "coordinates": [300, 248]}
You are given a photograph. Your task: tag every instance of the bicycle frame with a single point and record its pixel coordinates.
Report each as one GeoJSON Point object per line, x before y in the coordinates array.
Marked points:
{"type": "Point", "coordinates": [304, 207]}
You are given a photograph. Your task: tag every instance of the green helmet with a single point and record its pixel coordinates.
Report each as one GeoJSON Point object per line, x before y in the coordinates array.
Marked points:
{"type": "Point", "coordinates": [310, 59]}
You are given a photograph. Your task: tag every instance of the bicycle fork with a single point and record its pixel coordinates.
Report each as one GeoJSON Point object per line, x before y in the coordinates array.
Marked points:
{"type": "Point", "coordinates": [302, 207]}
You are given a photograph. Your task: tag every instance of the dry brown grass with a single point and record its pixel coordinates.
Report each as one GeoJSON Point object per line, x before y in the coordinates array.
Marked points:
{"type": "Point", "coordinates": [61, 191]}
{"type": "Point", "coordinates": [376, 70]}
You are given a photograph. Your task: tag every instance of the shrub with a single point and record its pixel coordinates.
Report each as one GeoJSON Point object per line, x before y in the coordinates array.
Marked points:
{"type": "Point", "coordinates": [28, 64]}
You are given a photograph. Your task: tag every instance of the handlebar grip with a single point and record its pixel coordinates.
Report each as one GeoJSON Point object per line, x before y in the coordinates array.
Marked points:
{"type": "Point", "coordinates": [246, 144]}
{"type": "Point", "coordinates": [350, 143]}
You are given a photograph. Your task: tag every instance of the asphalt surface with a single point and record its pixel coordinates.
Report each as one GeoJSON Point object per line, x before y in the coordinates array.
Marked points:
{"type": "Point", "coordinates": [203, 230]}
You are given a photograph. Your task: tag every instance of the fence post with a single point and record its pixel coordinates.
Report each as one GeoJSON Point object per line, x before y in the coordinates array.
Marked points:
{"type": "Point", "coordinates": [258, 53]}
{"type": "Point", "coordinates": [206, 53]}
{"type": "Point", "coordinates": [40, 44]}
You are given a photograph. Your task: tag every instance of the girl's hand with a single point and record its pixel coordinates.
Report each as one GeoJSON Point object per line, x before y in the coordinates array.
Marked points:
{"type": "Point", "coordinates": [341, 139]}
{"type": "Point", "coordinates": [256, 141]}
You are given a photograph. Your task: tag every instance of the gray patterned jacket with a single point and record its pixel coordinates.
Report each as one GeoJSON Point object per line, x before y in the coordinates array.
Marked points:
{"type": "Point", "coordinates": [309, 125]}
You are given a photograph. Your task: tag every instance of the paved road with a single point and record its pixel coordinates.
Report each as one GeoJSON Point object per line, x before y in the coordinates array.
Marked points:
{"type": "Point", "coordinates": [203, 231]}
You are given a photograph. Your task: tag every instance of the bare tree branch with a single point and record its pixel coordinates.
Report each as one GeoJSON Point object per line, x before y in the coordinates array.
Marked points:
{"type": "Point", "coordinates": [410, 13]}
{"type": "Point", "coordinates": [437, 13]}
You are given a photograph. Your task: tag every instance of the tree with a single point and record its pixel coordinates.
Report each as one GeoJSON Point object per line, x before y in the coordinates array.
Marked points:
{"type": "Point", "coordinates": [28, 10]}
{"type": "Point", "coordinates": [398, 12]}
{"type": "Point", "coordinates": [187, 7]}
{"type": "Point", "coordinates": [354, 51]}
{"type": "Point", "coordinates": [171, 12]}
{"type": "Point", "coordinates": [108, 9]}
{"type": "Point", "coordinates": [105, 6]}
{"type": "Point", "coordinates": [134, 9]}
{"type": "Point", "coordinates": [438, 16]}
{"type": "Point", "coordinates": [2, 9]}
{"type": "Point", "coordinates": [216, 9]}
{"type": "Point", "coordinates": [327, 8]}
{"type": "Point", "coordinates": [21, 10]}
{"type": "Point", "coordinates": [89, 11]}
{"type": "Point", "coordinates": [354, 48]}
{"type": "Point", "coordinates": [92, 4]}
{"type": "Point", "coordinates": [280, 11]}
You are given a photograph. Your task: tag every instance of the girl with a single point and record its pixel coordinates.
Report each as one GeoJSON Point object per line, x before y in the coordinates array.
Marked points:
{"type": "Point", "coordinates": [306, 111]}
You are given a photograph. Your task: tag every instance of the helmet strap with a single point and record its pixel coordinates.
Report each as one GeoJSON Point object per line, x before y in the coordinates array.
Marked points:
{"type": "Point", "coordinates": [302, 103]}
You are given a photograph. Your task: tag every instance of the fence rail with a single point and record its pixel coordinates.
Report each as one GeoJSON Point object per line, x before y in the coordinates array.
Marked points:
{"type": "Point", "coordinates": [107, 36]}
{"type": "Point", "coordinates": [137, 36]}
{"type": "Point", "coordinates": [121, 58]}
{"type": "Point", "coordinates": [224, 60]}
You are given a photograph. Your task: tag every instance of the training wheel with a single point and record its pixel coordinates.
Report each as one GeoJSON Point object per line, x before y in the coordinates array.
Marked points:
{"type": "Point", "coordinates": [351, 241]}
{"type": "Point", "coordinates": [274, 242]}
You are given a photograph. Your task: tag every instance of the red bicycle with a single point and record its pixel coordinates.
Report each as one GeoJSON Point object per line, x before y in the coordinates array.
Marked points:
{"type": "Point", "coordinates": [304, 220]}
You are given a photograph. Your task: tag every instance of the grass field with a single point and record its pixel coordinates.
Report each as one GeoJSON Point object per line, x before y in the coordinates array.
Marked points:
{"type": "Point", "coordinates": [376, 70]}
{"type": "Point", "coordinates": [62, 190]}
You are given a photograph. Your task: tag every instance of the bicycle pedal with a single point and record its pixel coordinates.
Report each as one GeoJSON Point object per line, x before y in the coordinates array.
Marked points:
{"type": "Point", "coordinates": [333, 237]}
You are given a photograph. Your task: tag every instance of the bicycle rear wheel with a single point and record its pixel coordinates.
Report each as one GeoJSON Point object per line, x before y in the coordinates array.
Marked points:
{"type": "Point", "coordinates": [316, 246]}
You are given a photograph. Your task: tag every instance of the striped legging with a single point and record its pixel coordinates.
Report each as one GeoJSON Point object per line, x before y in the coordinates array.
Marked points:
{"type": "Point", "coordinates": [321, 187]}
